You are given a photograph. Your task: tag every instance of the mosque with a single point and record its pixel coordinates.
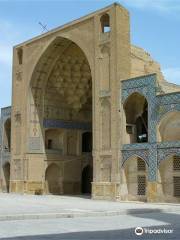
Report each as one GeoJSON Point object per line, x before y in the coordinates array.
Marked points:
{"type": "Point", "coordinates": [91, 114]}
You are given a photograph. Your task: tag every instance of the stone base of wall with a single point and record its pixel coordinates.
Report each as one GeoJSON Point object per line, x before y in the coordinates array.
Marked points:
{"type": "Point", "coordinates": [154, 192]}
{"type": "Point", "coordinates": [105, 190]}
{"type": "Point", "coordinates": [100, 190]}
{"type": "Point", "coordinates": [129, 197]}
{"type": "Point", "coordinates": [30, 187]}
{"type": "Point", "coordinates": [3, 186]}
{"type": "Point", "coordinates": [17, 186]}
{"type": "Point", "coordinates": [36, 187]}
{"type": "Point", "coordinates": [71, 188]}
{"type": "Point", "coordinates": [125, 196]}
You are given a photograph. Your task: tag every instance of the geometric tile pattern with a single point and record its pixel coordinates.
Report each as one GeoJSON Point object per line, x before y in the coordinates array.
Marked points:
{"type": "Point", "coordinates": [52, 123]}
{"type": "Point", "coordinates": [152, 152]}
{"type": "Point", "coordinates": [167, 103]}
{"type": "Point", "coordinates": [152, 170]}
{"type": "Point", "coordinates": [146, 86]}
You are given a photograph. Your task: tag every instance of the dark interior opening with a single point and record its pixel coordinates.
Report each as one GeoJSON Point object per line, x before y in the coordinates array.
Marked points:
{"type": "Point", "coordinates": [49, 144]}
{"type": "Point", "coordinates": [87, 178]}
{"type": "Point", "coordinates": [87, 142]}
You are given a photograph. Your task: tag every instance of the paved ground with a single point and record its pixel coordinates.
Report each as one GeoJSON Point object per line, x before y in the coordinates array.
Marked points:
{"type": "Point", "coordinates": [115, 227]}
{"type": "Point", "coordinates": [14, 205]}
{"type": "Point", "coordinates": [125, 217]}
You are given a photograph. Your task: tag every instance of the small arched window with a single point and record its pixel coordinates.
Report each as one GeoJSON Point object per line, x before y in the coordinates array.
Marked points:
{"type": "Point", "coordinates": [105, 23]}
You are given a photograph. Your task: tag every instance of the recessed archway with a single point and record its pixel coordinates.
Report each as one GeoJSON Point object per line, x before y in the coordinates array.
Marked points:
{"type": "Point", "coordinates": [53, 178]}
{"type": "Point", "coordinates": [61, 90]}
{"type": "Point", "coordinates": [54, 140]}
{"type": "Point", "coordinates": [136, 115]}
{"type": "Point", "coordinates": [134, 177]}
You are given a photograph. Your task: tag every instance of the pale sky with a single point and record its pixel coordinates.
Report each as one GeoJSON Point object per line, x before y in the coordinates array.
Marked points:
{"type": "Point", "coordinates": [155, 26]}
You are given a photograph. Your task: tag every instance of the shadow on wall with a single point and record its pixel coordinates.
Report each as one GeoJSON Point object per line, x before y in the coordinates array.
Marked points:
{"type": "Point", "coordinates": [6, 171]}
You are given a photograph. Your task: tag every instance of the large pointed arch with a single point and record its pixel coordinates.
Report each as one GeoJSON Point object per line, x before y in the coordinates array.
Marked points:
{"type": "Point", "coordinates": [46, 72]}
{"type": "Point", "coordinates": [61, 102]}
{"type": "Point", "coordinates": [48, 58]}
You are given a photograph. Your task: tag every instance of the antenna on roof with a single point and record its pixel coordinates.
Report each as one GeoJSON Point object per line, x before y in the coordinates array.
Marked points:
{"type": "Point", "coordinates": [44, 27]}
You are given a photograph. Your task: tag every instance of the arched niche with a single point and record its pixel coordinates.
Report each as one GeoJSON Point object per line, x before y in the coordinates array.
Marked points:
{"type": "Point", "coordinates": [72, 142]}
{"type": "Point", "coordinates": [105, 124]}
{"type": "Point", "coordinates": [54, 140]}
{"type": "Point", "coordinates": [136, 119]}
{"type": "Point", "coordinates": [105, 23]}
{"type": "Point", "coordinates": [53, 178]}
{"type": "Point", "coordinates": [134, 178]}
{"type": "Point", "coordinates": [7, 135]}
{"type": "Point", "coordinates": [168, 128]}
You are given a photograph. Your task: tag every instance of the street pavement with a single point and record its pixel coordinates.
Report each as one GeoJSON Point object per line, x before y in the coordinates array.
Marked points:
{"type": "Point", "coordinates": [84, 218]}
{"type": "Point", "coordinates": [49, 206]}
{"type": "Point", "coordinates": [120, 227]}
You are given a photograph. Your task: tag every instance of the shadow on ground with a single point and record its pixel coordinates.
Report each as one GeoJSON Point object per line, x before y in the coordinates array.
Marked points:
{"type": "Point", "coordinates": [169, 218]}
{"type": "Point", "coordinates": [125, 234]}
{"type": "Point", "coordinates": [83, 196]}
{"type": "Point", "coordinates": [172, 220]}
